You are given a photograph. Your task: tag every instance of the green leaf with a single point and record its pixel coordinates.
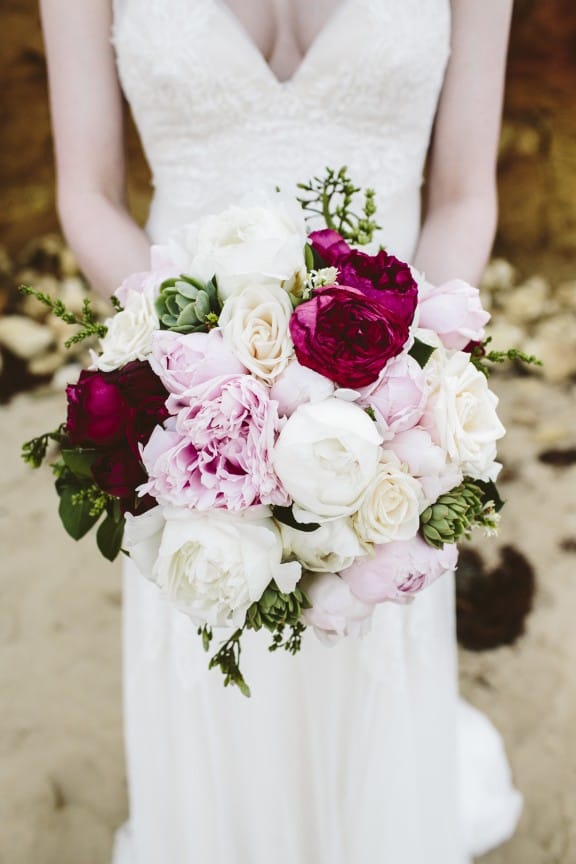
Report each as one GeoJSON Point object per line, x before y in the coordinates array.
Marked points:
{"type": "Point", "coordinates": [109, 536]}
{"type": "Point", "coordinates": [76, 517]}
{"type": "Point", "coordinates": [79, 461]}
{"type": "Point", "coordinates": [490, 493]}
{"type": "Point", "coordinates": [421, 352]}
{"type": "Point", "coordinates": [286, 517]}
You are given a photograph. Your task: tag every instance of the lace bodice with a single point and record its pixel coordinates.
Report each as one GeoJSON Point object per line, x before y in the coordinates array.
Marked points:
{"type": "Point", "coordinates": [215, 122]}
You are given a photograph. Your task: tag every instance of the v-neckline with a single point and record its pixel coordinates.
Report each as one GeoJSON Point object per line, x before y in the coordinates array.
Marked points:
{"type": "Point", "coordinates": [251, 46]}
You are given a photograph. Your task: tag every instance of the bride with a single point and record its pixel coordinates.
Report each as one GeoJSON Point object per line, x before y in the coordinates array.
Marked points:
{"type": "Point", "coordinates": [360, 753]}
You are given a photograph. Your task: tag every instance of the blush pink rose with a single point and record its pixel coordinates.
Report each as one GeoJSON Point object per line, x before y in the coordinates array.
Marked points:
{"type": "Point", "coordinates": [335, 611]}
{"type": "Point", "coordinates": [216, 452]}
{"type": "Point", "coordinates": [298, 384]}
{"type": "Point", "coordinates": [397, 397]}
{"type": "Point", "coordinates": [454, 311]}
{"type": "Point", "coordinates": [185, 361]}
{"type": "Point", "coordinates": [426, 462]}
{"type": "Point", "coordinates": [399, 570]}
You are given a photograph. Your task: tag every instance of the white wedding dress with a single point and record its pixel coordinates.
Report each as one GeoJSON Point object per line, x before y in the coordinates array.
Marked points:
{"type": "Point", "coordinates": [359, 753]}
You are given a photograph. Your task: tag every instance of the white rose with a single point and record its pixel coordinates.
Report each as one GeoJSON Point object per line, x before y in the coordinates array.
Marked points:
{"type": "Point", "coordinates": [335, 611]}
{"type": "Point", "coordinates": [461, 413]}
{"type": "Point", "coordinates": [130, 331]}
{"type": "Point", "coordinates": [212, 565]}
{"type": "Point", "coordinates": [391, 507]}
{"type": "Point", "coordinates": [330, 548]}
{"type": "Point", "coordinates": [326, 456]}
{"type": "Point", "coordinates": [142, 537]}
{"type": "Point", "coordinates": [244, 245]}
{"type": "Point", "coordinates": [255, 326]}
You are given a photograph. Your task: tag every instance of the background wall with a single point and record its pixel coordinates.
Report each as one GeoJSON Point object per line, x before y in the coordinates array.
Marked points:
{"type": "Point", "coordinates": [538, 152]}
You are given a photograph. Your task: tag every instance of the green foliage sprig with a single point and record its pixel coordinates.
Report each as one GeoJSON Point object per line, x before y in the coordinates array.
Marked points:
{"type": "Point", "coordinates": [332, 197]}
{"type": "Point", "coordinates": [87, 321]}
{"type": "Point", "coordinates": [275, 612]}
{"type": "Point", "coordinates": [484, 359]}
{"type": "Point", "coordinates": [34, 451]}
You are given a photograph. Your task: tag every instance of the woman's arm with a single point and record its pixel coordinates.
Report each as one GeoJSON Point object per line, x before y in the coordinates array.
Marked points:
{"type": "Point", "coordinates": [462, 204]}
{"type": "Point", "coordinates": [87, 122]}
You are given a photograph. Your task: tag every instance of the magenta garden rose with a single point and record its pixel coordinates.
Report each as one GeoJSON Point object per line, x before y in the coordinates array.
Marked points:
{"type": "Point", "coordinates": [360, 270]}
{"type": "Point", "coordinates": [350, 330]}
{"type": "Point", "coordinates": [348, 334]}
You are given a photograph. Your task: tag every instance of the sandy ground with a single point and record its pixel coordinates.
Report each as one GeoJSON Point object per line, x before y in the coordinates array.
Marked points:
{"type": "Point", "coordinates": [62, 787]}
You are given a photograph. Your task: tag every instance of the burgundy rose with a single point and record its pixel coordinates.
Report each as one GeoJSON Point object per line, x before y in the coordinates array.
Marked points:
{"type": "Point", "coordinates": [359, 270]}
{"type": "Point", "coordinates": [114, 413]}
{"type": "Point", "coordinates": [96, 410]}
{"type": "Point", "coordinates": [348, 333]}
{"type": "Point", "coordinates": [118, 472]}
{"type": "Point", "coordinates": [105, 408]}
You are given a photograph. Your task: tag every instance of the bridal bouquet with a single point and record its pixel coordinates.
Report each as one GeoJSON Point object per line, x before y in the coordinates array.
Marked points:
{"type": "Point", "coordinates": [282, 430]}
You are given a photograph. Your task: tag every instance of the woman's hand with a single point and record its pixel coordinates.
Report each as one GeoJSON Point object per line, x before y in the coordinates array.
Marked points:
{"type": "Point", "coordinates": [461, 213]}
{"type": "Point", "coordinates": [86, 109]}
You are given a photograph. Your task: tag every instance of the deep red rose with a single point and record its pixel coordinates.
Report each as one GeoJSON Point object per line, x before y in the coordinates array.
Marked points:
{"type": "Point", "coordinates": [105, 408]}
{"type": "Point", "coordinates": [96, 410]}
{"type": "Point", "coordinates": [118, 472]}
{"type": "Point", "coordinates": [348, 333]}
{"type": "Point", "coordinates": [358, 270]}
{"type": "Point", "coordinates": [114, 413]}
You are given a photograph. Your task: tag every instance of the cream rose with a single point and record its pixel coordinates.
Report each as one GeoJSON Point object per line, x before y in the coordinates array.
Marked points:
{"type": "Point", "coordinates": [461, 413]}
{"type": "Point", "coordinates": [255, 327]}
{"type": "Point", "coordinates": [212, 565]}
{"type": "Point", "coordinates": [330, 548]}
{"type": "Point", "coordinates": [390, 509]}
{"type": "Point", "coordinates": [325, 457]}
{"type": "Point", "coordinates": [130, 331]}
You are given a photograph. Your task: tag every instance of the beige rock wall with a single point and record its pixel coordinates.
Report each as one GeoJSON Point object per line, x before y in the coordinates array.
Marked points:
{"type": "Point", "coordinates": [538, 159]}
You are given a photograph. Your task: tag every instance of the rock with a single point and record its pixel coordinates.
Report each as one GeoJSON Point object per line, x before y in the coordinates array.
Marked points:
{"type": "Point", "coordinates": [68, 263]}
{"type": "Point", "coordinates": [45, 364]}
{"type": "Point", "coordinates": [499, 275]}
{"type": "Point", "coordinates": [44, 253]}
{"type": "Point", "coordinates": [29, 305]}
{"type": "Point", "coordinates": [554, 343]}
{"type": "Point", "coordinates": [23, 337]}
{"type": "Point", "coordinates": [67, 374]}
{"type": "Point", "coordinates": [565, 294]}
{"type": "Point", "coordinates": [6, 280]}
{"type": "Point", "coordinates": [551, 433]}
{"type": "Point", "coordinates": [504, 336]}
{"type": "Point", "coordinates": [529, 302]}
{"type": "Point", "coordinates": [73, 293]}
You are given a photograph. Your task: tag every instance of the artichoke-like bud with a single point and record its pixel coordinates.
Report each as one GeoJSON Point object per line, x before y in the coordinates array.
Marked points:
{"type": "Point", "coordinates": [453, 515]}
{"type": "Point", "coordinates": [187, 305]}
{"type": "Point", "coordinates": [276, 610]}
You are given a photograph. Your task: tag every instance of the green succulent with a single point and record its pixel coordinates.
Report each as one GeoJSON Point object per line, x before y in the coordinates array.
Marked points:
{"type": "Point", "coordinates": [187, 305]}
{"type": "Point", "coordinates": [454, 515]}
{"type": "Point", "coordinates": [276, 610]}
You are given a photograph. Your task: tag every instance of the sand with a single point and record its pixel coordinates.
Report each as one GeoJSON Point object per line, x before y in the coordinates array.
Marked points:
{"type": "Point", "coordinates": [62, 785]}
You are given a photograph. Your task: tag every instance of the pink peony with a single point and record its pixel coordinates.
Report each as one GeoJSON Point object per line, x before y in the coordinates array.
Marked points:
{"type": "Point", "coordinates": [399, 570]}
{"type": "Point", "coordinates": [454, 311]}
{"type": "Point", "coordinates": [298, 384]}
{"type": "Point", "coordinates": [426, 462]}
{"type": "Point", "coordinates": [183, 362]}
{"type": "Point", "coordinates": [216, 452]}
{"type": "Point", "coordinates": [397, 397]}
{"type": "Point", "coordinates": [335, 611]}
